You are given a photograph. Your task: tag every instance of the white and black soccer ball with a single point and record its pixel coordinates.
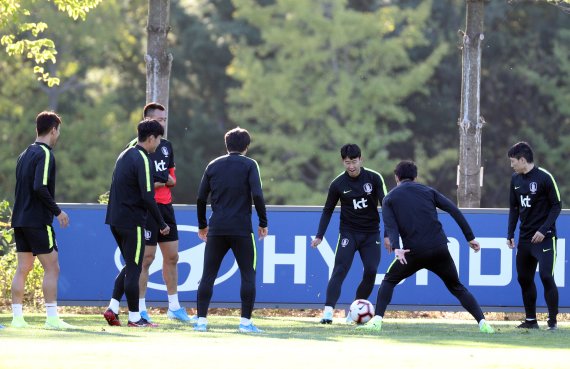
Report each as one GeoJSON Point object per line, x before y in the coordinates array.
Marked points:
{"type": "Point", "coordinates": [361, 311]}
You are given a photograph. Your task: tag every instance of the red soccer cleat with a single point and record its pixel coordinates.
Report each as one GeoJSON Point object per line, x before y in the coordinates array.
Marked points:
{"type": "Point", "coordinates": [112, 318]}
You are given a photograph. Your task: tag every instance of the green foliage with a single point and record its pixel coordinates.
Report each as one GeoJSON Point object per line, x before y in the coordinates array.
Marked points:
{"type": "Point", "coordinates": [323, 76]}
{"type": "Point", "coordinates": [6, 232]}
{"type": "Point", "coordinates": [9, 262]}
{"type": "Point", "coordinates": [20, 33]}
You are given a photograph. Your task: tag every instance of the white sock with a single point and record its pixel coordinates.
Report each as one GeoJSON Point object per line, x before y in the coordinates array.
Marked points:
{"type": "Point", "coordinates": [51, 309]}
{"type": "Point", "coordinates": [376, 318]}
{"type": "Point", "coordinates": [173, 303]}
{"type": "Point", "coordinates": [245, 321]}
{"type": "Point", "coordinates": [328, 309]}
{"type": "Point", "coordinates": [114, 305]}
{"type": "Point", "coordinates": [142, 304]}
{"type": "Point", "coordinates": [134, 316]}
{"type": "Point", "coordinates": [17, 310]}
{"type": "Point", "coordinates": [481, 322]}
{"type": "Point", "coordinates": [202, 320]}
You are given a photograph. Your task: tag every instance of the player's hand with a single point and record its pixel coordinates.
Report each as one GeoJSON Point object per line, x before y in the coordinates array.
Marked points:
{"type": "Point", "coordinates": [511, 243]}
{"type": "Point", "coordinates": [203, 234]}
{"type": "Point", "coordinates": [63, 219]}
{"type": "Point", "coordinates": [537, 238]}
{"type": "Point", "coordinates": [316, 242]}
{"type": "Point", "coordinates": [164, 231]}
{"type": "Point", "coordinates": [387, 245]}
{"type": "Point", "coordinates": [475, 245]}
{"type": "Point", "coordinates": [401, 255]}
{"type": "Point", "coordinates": [171, 181]}
{"type": "Point", "coordinates": [262, 232]}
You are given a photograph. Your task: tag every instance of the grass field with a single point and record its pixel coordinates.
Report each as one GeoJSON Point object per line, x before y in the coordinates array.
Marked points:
{"type": "Point", "coordinates": [288, 342]}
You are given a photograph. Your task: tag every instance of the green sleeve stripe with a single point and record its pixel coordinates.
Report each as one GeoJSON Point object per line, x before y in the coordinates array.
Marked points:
{"type": "Point", "coordinates": [133, 143]}
{"type": "Point", "coordinates": [254, 252]}
{"type": "Point", "coordinates": [147, 170]}
{"type": "Point", "coordinates": [553, 182]}
{"type": "Point", "coordinates": [381, 179]}
{"type": "Point", "coordinates": [258, 172]}
{"type": "Point", "coordinates": [46, 165]}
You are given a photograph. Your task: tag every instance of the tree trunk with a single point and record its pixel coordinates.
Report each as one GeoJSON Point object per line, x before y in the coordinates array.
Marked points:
{"type": "Point", "coordinates": [158, 60]}
{"type": "Point", "coordinates": [470, 121]}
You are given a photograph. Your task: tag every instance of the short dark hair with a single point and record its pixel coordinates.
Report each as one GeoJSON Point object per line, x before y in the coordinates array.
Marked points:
{"type": "Point", "coordinates": [150, 107]}
{"type": "Point", "coordinates": [45, 121]}
{"type": "Point", "coordinates": [237, 139]}
{"type": "Point", "coordinates": [351, 151]}
{"type": "Point", "coordinates": [149, 127]}
{"type": "Point", "coordinates": [521, 150]}
{"type": "Point", "coordinates": [406, 169]}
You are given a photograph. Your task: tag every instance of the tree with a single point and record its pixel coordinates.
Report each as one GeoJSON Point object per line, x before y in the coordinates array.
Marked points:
{"type": "Point", "coordinates": [326, 75]}
{"type": "Point", "coordinates": [158, 60]}
{"type": "Point", "coordinates": [470, 120]}
{"type": "Point", "coordinates": [20, 32]}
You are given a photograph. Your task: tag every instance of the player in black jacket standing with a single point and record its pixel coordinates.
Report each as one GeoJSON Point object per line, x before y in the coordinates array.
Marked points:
{"type": "Point", "coordinates": [130, 199]}
{"type": "Point", "coordinates": [231, 181]}
{"type": "Point", "coordinates": [535, 199]}
{"type": "Point", "coordinates": [32, 218]}
{"type": "Point", "coordinates": [410, 211]}
{"type": "Point", "coordinates": [360, 191]}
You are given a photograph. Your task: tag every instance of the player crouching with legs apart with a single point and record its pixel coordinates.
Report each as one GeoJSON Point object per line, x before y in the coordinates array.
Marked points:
{"type": "Point", "coordinates": [410, 211]}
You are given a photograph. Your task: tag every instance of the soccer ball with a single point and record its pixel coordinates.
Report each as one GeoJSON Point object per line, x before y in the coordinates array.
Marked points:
{"type": "Point", "coordinates": [361, 311]}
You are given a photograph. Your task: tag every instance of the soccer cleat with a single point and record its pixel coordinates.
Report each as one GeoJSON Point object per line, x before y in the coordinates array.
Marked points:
{"type": "Point", "coordinates": [19, 322]}
{"type": "Point", "coordinates": [53, 322]}
{"type": "Point", "coordinates": [327, 318]}
{"type": "Point", "coordinates": [486, 328]}
{"type": "Point", "coordinates": [528, 324]}
{"type": "Point", "coordinates": [349, 319]}
{"type": "Point", "coordinates": [181, 316]}
{"type": "Point", "coordinates": [200, 327]}
{"type": "Point", "coordinates": [552, 326]}
{"type": "Point", "coordinates": [144, 315]}
{"type": "Point", "coordinates": [373, 325]}
{"type": "Point", "coordinates": [249, 329]}
{"type": "Point", "coordinates": [112, 318]}
{"type": "Point", "coordinates": [142, 323]}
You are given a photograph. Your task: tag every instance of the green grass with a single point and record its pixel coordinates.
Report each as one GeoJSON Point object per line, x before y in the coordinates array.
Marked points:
{"type": "Point", "coordinates": [288, 343]}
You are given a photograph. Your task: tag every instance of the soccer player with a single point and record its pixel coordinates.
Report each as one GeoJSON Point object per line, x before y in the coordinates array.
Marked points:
{"type": "Point", "coordinates": [535, 199]}
{"type": "Point", "coordinates": [231, 181]}
{"type": "Point", "coordinates": [410, 212]}
{"type": "Point", "coordinates": [32, 218]}
{"type": "Point", "coordinates": [360, 191]}
{"type": "Point", "coordinates": [164, 178]}
{"type": "Point", "coordinates": [130, 199]}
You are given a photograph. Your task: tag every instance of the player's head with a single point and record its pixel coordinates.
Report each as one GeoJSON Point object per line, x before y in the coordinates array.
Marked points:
{"type": "Point", "coordinates": [149, 134]}
{"type": "Point", "coordinates": [156, 111]}
{"type": "Point", "coordinates": [47, 126]}
{"type": "Point", "coordinates": [406, 170]}
{"type": "Point", "coordinates": [237, 140]}
{"type": "Point", "coordinates": [521, 157]}
{"type": "Point", "coordinates": [351, 159]}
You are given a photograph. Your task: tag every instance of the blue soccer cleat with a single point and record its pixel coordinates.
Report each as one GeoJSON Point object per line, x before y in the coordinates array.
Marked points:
{"type": "Point", "coordinates": [327, 318]}
{"type": "Point", "coordinates": [200, 327]}
{"type": "Point", "coordinates": [181, 316]}
{"type": "Point", "coordinates": [249, 329]}
{"type": "Point", "coordinates": [144, 315]}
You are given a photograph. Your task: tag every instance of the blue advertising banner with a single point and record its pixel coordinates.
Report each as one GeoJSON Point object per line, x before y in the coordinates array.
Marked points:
{"type": "Point", "coordinates": [292, 274]}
